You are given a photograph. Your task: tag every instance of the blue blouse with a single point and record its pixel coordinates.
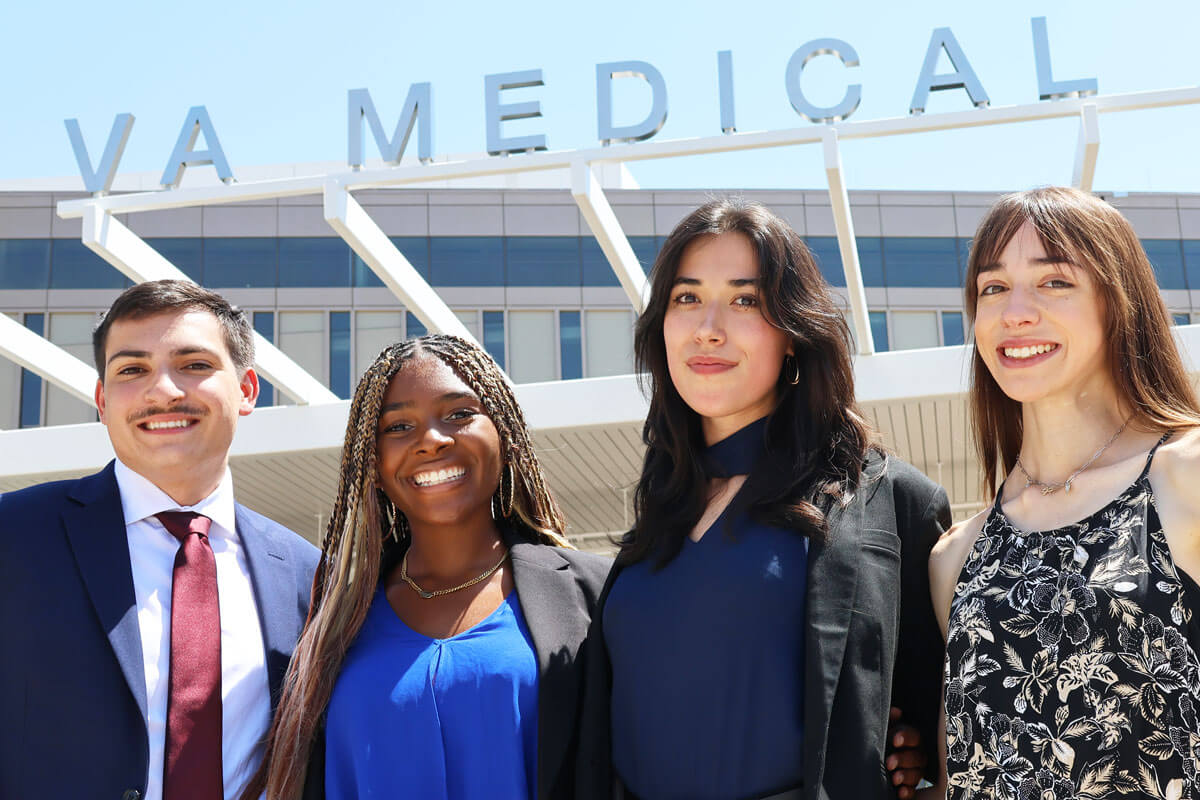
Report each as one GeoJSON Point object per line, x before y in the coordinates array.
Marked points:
{"type": "Point", "coordinates": [708, 656]}
{"type": "Point", "coordinates": [438, 719]}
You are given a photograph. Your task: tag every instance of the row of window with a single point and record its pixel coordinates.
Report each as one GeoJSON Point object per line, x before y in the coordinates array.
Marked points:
{"type": "Point", "coordinates": [336, 347]}
{"type": "Point", "coordinates": [493, 261]}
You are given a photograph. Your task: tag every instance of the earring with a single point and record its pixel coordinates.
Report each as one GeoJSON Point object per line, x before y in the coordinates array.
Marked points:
{"type": "Point", "coordinates": [501, 506]}
{"type": "Point", "coordinates": [791, 369]}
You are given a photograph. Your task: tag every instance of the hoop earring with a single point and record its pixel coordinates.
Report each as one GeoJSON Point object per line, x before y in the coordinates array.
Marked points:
{"type": "Point", "coordinates": [792, 366]}
{"type": "Point", "coordinates": [501, 506]}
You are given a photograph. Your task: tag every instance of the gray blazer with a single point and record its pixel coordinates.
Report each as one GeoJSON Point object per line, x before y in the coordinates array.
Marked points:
{"type": "Point", "coordinates": [868, 600]}
{"type": "Point", "coordinates": [558, 590]}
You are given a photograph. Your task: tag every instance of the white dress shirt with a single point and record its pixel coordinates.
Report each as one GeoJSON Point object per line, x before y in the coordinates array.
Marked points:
{"type": "Point", "coordinates": [245, 691]}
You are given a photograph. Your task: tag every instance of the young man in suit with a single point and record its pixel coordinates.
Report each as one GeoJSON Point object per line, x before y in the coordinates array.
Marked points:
{"type": "Point", "coordinates": [147, 617]}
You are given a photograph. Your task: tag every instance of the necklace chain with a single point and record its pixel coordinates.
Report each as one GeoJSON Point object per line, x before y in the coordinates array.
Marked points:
{"type": "Point", "coordinates": [1051, 488]}
{"type": "Point", "coordinates": [439, 592]}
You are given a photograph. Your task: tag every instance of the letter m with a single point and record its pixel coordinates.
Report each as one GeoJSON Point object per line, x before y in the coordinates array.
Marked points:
{"type": "Point", "coordinates": [417, 112]}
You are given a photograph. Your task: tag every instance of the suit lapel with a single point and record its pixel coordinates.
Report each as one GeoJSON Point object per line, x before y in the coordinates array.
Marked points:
{"type": "Point", "coordinates": [274, 580]}
{"type": "Point", "coordinates": [832, 581]}
{"type": "Point", "coordinates": [96, 532]}
{"type": "Point", "coordinates": [545, 588]}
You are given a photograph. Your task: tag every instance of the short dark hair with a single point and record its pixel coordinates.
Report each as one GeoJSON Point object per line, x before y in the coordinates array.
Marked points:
{"type": "Point", "coordinates": [158, 297]}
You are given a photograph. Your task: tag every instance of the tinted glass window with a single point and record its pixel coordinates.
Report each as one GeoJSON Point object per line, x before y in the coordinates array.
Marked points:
{"type": "Point", "coordinates": [184, 252]}
{"type": "Point", "coordinates": [264, 325]}
{"type": "Point", "coordinates": [313, 262]}
{"type": "Point", "coordinates": [921, 261]}
{"type": "Point", "coordinates": [952, 327]}
{"type": "Point", "coordinates": [466, 261]}
{"type": "Point", "coordinates": [240, 262]}
{"type": "Point", "coordinates": [1166, 256]}
{"type": "Point", "coordinates": [596, 269]}
{"type": "Point", "coordinates": [1191, 261]}
{"type": "Point", "coordinates": [413, 327]}
{"type": "Point", "coordinates": [31, 383]}
{"type": "Point", "coordinates": [570, 345]}
{"type": "Point", "coordinates": [73, 266]}
{"type": "Point", "coordinates": [339, 353]}
{"type": "Point", "coordinates": [24, 263]}
{"type": "Point", "coordinates": [879, 330]}
{"type": "Point", "coordinates": [542, 260]}
{"type": "Point", "coordinates": [829, 258]}
{"type": "Point", "coordinates": [870, 260]}
{"type": "Point", "coordinates": [414, 248]}
{"type": "Point", "coordinates": [493, 335]}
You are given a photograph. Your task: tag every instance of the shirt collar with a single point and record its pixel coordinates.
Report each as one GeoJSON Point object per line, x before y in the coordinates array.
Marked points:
{"type": "Point", "coordinates": [140, 499]}
{"type": "Point", "coordinates": [737, 453]}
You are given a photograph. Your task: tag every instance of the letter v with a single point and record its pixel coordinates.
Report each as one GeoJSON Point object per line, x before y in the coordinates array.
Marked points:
{"type": "Point", "coordinates": [99, 181]}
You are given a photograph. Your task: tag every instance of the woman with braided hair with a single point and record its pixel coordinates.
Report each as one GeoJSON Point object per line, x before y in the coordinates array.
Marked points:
{"type": "Point", "coordinates": [439, 656]}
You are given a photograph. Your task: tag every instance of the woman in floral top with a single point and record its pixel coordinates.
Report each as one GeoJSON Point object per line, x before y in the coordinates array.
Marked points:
{"type": "Point", "coordinates": [1071, 613]}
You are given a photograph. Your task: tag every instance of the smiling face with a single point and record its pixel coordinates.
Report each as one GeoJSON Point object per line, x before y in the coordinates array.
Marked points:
{"type": "Point", "coordinates": [723, 355]}
{"type": "Point", "coordinates": [1039, 324]}
{"type": "Point", "coordinates": [438, 452]}
{"type": "Point", "coordinates": [170, 398]}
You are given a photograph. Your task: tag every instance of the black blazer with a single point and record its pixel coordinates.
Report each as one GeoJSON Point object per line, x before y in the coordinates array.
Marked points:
{"type": "Point", "coordinates": [72, 681]}
{"type": "Point", "coordinates": [558, 590]}
{"type": "Point", "coordinates": [876, 553]}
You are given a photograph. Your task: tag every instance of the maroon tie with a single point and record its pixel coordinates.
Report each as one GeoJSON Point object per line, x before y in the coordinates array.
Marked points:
{"type": "Point", "coordinates": [192, 752]}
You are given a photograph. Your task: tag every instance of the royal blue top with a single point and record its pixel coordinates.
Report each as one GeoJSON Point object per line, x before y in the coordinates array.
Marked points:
{"type": "Point", "coordinates": [438, 719]}
{"type": "Point", "coordinates": [708, 656]}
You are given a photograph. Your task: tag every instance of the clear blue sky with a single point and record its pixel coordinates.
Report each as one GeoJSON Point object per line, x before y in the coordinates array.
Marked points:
{"type": "Point", "coordinates": [274, 78]}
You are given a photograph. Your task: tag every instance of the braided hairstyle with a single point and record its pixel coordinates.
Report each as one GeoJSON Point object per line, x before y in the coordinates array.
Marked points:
{"type": "Point", "coordinates": [358, 534]}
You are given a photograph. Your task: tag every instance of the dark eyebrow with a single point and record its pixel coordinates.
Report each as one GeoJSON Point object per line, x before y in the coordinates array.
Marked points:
{"type": "Point", "coordinates": [183, 351]}
{"type": "Point", "coordinates": [733, 282]}
{"type": "Point", "coordinates": [1045, 261]}
{"type": "Point", "coordinates": [409, 404]}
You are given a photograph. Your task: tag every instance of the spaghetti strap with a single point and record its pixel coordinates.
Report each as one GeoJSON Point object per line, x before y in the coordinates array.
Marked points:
{"type": "Point", "coordinates": [1150, 455]}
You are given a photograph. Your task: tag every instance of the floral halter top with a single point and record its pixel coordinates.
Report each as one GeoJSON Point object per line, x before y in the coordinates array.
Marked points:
{"type": "Point", "coordinates": [1071, 661]}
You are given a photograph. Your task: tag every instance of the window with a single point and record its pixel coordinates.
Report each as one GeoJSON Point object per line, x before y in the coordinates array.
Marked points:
{"type": "Point", "coordinates": [374, 331]}
{"type": "Point", "coordinates": [829, 258]}
{"type": "Point", "coordinates": [414, 248]}
{"type": "Point", "coordinates": [608, 343]}
{"type": "Point", "coordinates": [470, 319]}
{"type": "Point", "coordinates": [24, 263]}
{"type": "Point", "coordinates": [542, 261]}
{"type": "Point", "coordinates": [921, 262]}
{"type": "Point", "coordinates": [231, 263]}
{"type": "Point", "coordinates": [914, 329]}
{"type": "Point", "coordinates": [413, 327]}
{"type": "Point", "coordinates": [952, 328]}
{"type": "Point", "coordinates": [31, 383]}
{"type": "Point", "coordinates": [73, 333]}
{"type": "Point", "coordinates": [493, 335]}
{"type": "Point", "coordinates": [531, 334]}
{"type": "Point", "coordinates": [302, 337]}
{"type": "Point", "coordinates": [467, 261]}
{"type": "Point", "coordinates": [73, 266]}
{"type": "Point", "coordinates": [1180, 318]}
{"type": "Point", "coordinates": [264, 325]}
{"type": "Point", "coordinates": [1191, 261]}
{"type": "Point", "coordinates": [570, 345]}
{"type": "Point", "coordinates": [1166, 256]}
{"type": "Point", "coordinates": [879, 332]}
{"type": "Point", "coordinates": [596, 269]}
{"type": "Point", "coordinates": [870, 259]}
{"type": "Point", "coordinates": [311, 261]}
{"type": "Point", "coordinates": [339, 353]}
{"type": "Point", "coordinates": [184, 252]}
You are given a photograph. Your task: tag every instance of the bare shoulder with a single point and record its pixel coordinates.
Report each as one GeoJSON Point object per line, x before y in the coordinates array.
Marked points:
{"type": "Point", "coordinates": [1175, 472]}
{"type": "Point", "coordinates": [946, 562]}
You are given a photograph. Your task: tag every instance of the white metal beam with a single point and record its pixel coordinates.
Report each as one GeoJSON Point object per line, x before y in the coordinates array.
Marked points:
{"type": "Point", "coordinates": [605, 226]}
{"type": "Point", "coordinates": [129, 253]}
{"type": "Point", "coordinates": [1087, 149]}
{"type": "Point", "coordinates": [40, 356]}
{"type": "Point", "coordinates": [367, 239]}
{"type": "Point", "coordinates": [839, 198]}
{"type": "Point", "coordinates": [636, 151]}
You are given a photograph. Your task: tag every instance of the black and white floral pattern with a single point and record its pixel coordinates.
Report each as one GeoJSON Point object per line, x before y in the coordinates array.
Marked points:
{"type": "Point", "coordinates": [1071, 667]}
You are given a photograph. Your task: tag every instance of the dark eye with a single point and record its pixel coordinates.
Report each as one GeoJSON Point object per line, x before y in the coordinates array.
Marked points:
{"type": "Point", "coordinates": [746, 300]}
{"type": "Point", "coordinates": [991, 288]}
{"type": "Point", "coordinates": [1058, 283]}
{"type": "Point", "coordinates": [198, 365]}
{"type": "Point", "coordinates": [396, 427]}
{"type": "Point", "coordinates": [685, 299]}
{"type": "Point", "coordinates": [129, 370]}
{"type": "Point", "coordinates": [461, 414]}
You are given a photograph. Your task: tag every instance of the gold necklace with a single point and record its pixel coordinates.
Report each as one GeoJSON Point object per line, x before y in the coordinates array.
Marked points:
{"type": "Point", "coordinates": [1051, 488]}
{"type": "Point", "coordinates": [427, 595]}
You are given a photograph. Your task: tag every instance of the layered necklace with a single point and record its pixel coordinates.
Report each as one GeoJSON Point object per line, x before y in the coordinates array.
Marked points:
{"type": "Point", "coordinates": [439, 592]}
{"type": "Point", "coordinates": [1051, 488]}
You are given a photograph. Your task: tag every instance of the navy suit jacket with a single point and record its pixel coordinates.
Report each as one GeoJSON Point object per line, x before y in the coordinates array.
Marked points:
{"type": "Point", "coordinates": [72, 682]}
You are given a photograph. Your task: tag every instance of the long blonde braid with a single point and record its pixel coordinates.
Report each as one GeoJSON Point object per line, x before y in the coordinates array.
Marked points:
{"type": "Point", "coordinates": [352, 548]}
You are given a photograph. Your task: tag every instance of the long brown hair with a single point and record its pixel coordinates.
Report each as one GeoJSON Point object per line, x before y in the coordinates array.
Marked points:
{"type": "Point", "coordinates": [358, 535]}
{"type": "Point", "coordinates": [818, 440]}
{"type": "Point", "coordinates": [1081, 229]}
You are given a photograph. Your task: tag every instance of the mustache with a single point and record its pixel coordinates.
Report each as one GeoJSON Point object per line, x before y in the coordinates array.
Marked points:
{"type": "Point", "coordinates": [190, 411]}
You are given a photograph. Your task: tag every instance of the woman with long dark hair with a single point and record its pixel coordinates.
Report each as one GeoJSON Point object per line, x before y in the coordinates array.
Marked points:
{"type": "Point", "coordinates": [748, 640]}
{"type": "Point", "coordinates": [439, 656]}
{"type": "Point", "coordinates": [1070, 605]}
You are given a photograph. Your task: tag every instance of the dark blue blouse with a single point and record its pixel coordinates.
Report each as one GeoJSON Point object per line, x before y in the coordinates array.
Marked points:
{"type": "Point", "coordinates": [708, 656]}
{"type": "Point", "coordinates": [436, 719]}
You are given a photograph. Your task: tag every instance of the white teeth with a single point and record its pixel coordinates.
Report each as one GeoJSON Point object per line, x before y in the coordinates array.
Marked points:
{"type": "Point", "coordinates": [438, 476]}
{"type": "Point", "coordinates": [176, 423]}
{"type": "Point", "coordinates": [1027, 352]}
